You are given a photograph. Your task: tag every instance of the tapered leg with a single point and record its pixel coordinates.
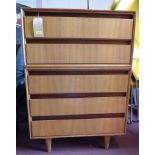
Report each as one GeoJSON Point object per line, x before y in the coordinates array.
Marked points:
{"type": "Point", "coordinates": [106, 141]}
{"type": "Point", "coordinates": [48, 144]}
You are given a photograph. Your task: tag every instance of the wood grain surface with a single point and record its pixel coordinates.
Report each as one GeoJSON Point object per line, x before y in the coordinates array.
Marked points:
{"type": "Point", "coordinates": [77, 83]}
{"type": "Point", "coordinates": [78, 127]}
{"type": "Point", "coordinates": [77, 53]}
{"type": "Point", "coordinates": [78, 27]}
{"type": "Point", "coordinates": [74, 106]}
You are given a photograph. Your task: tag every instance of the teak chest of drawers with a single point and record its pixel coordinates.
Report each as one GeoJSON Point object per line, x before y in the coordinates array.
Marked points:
{"type": "Point", "coordinates": [78, 74]}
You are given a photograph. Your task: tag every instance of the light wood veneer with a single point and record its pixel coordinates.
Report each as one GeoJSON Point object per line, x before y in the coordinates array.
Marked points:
{"type": "Point", "coordinates": [77, 27]}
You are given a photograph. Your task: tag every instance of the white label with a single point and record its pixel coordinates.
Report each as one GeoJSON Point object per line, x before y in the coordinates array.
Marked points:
{"type": "Point", "coordinates": [38, 27]}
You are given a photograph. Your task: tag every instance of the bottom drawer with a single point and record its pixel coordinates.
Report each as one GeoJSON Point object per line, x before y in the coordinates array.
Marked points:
{"type": "Point", "coordinates": [77, 127]}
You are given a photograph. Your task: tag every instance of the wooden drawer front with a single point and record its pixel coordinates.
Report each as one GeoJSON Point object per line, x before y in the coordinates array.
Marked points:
{"type": "Point", "coordinates": [77, 53]}
{"type": "Point", "coordinates": [75, 106]}
{"type": "Point", "coordinates": [77, 127]}
{"type": "Point", "coordinates": [80, 27]}
{"type": "Point", "coordinates": [46, 84]}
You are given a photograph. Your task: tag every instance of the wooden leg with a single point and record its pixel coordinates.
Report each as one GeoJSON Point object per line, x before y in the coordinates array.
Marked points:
{"type": "Point", "coordinates": [106, 141]}
{"type": "Point", "coordinates": [48, 144]}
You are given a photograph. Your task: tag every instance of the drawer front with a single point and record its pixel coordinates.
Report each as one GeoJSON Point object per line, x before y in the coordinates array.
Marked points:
{"type": "Point", "coordinates": [46, 84]}
{"type": "Point", "coordinates": [76, 106]}
{"type": "Point", "coordinates": [78, 127]}
{"type": "Point", "coordinates": [77, 53]}
{"type": "Point", "coordinates": [81, 27]}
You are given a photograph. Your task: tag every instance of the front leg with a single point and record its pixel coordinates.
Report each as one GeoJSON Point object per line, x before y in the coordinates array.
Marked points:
{"type": "Point", "coordinates": [48, 144]}
{"type": "Point", "coordinates": [106, 141]}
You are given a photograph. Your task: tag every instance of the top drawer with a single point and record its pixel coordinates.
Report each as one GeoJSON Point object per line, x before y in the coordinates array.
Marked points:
{"type": "Point", "coordinates": [82, 27]}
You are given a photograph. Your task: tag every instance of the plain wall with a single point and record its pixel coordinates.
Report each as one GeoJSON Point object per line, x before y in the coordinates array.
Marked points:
{"type": "Point", "coordinates": [72, 4]}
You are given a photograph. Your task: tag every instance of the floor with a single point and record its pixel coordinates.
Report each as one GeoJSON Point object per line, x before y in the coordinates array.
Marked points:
{"type": "Point", "coordinates": [120, 145]}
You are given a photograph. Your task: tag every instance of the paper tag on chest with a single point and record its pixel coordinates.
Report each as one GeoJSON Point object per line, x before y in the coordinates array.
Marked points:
{"type": "Point", "coordinates": [38, 27]}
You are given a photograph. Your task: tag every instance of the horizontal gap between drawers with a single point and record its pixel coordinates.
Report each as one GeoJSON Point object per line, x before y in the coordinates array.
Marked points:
{"type": "Point", "coordinates": [93, 14]}
{"type": "Point", "coordinates": [84, 116]}
{"type": "Point", "coordinates": [78, 67]}
{"type": "Point", "coordinates": [77, 95]}
{"type": "Point", "coordinates": [49, 72]}
{"type": "Point", "coordinates": [77, 41]}
{"type": "Point", "coordinates": [78, 63]}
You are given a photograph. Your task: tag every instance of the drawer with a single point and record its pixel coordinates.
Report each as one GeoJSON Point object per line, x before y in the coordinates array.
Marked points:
{"type": "Point", "coordinates": [48, 84]}
{"type": "Point", "coordinates": [77, 53]}
{"type": "Point", "coordinates": [78, 127]}
{"type": "Point", "coordinates": [77, 106]}
{"type": "Point", "coordinates": [81, 27]}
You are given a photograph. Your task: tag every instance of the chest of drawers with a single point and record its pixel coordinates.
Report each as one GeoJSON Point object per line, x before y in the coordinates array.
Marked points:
{"type": "Point", "coordinates": [78, 74]}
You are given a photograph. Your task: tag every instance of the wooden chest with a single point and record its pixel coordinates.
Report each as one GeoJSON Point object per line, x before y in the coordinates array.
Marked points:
{"type": "Point", "coordinates": [78, 74]}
